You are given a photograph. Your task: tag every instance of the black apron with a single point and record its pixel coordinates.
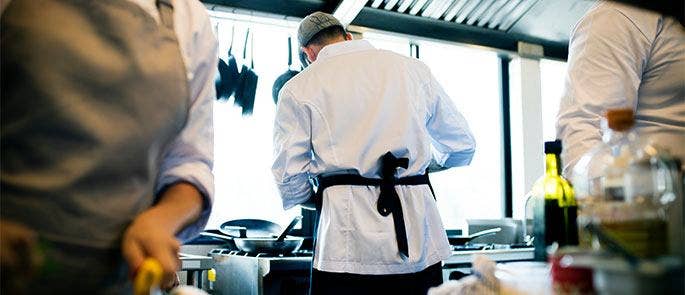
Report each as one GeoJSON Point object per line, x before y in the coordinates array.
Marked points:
{"type": "Point", "coordinates": [92, 94]}
{"type": "Point", "coordinates": [388, 201]}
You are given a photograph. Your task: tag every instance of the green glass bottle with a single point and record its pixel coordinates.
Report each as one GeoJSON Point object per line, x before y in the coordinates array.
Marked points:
{"type": "Point", "coordinates": [555, 209]}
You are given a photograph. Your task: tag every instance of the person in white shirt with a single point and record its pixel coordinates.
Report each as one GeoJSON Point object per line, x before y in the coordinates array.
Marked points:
{"type": "Point", "coordinates": [365, 124]}
{"type": "Point", "coordinates": [106, 140]}
{"type": "Point", "coordinates": [623, 57]}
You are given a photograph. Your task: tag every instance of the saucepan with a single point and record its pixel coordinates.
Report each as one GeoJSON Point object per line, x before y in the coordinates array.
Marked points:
{"type": "Point", "coordinates": [285, 77]}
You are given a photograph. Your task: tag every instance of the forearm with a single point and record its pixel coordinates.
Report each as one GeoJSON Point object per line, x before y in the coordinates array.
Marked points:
{"type": "Point", "coordinates": [152, 233]}
{"type": "Point", "coordinates": [179, 205]}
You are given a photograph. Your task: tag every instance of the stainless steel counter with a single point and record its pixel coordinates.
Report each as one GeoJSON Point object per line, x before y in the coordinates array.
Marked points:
{"type": "Point", "coordinates": [459, 264]}
{"type": "Point", "coordinates": [498, 255]}
{"type": "Point", "coordinates": [242, 273]}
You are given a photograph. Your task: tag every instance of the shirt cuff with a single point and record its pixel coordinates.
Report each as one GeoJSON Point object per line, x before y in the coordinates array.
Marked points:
{"type": "Point", "coordinates": [455, 159]}
{"type": "Point", "coordinates": [199, 175]}
{"type": "Point", "coordinates": [295, 191]}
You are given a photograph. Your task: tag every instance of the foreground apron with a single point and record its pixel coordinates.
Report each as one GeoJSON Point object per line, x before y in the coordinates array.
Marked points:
{"type": "Point", "coordinates": [92, 93]}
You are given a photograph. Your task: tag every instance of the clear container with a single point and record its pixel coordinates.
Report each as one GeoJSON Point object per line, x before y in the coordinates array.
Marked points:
{"type": "Point", "coordinates": [624, 186]}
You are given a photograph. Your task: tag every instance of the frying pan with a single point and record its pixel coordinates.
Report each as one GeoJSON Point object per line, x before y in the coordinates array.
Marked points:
{"type": "Point", "coordinates": [259, 244]}
{"type": "Point", "coordinates": [269, 245]}
{"type": "Point", "coordinates": [281, 244]}
{"type": "Point", "coordinates": [221, 93]}
{"type": "Point", "coordinates": [252, 228]}
{"type": "Point", "coordinates": [247, 83]}
{"type": "Point", "coordinates": [461, 240]}
{"type": "Point", "coordinates": [260, 238]}
{"type": "Point", "coordinates": [283, 78]}
{"type": "Point", "coordinates": [228, 75]}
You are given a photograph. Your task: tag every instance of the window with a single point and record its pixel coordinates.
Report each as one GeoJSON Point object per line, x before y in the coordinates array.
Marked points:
{"type": "Point", "coordinates": [242, 144]}
{"type": "Point", "coordinates": [388, 42]}
{"type": "Point", "coordinates": [537, 86]}
{"type": "Point", "coordinates": [552, 75]}
{"type": "Point", "coordinates": [470, 77]}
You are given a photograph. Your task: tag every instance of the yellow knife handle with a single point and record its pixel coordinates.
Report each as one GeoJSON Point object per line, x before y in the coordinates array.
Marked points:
{"type": "Point", "coordinates": [148, 277]}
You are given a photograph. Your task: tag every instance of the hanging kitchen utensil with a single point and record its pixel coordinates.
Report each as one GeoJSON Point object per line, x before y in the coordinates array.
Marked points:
{"type": "Point", "coordinates": [247, 87]}
{"type": "Point", "coordinates": [283, 78]}
{"type": "Point", "coordinates": [228, 74]}
{"type": "Point", "coordinates": [414, 50]}
{"type": "Point", "coordinates": [222, 71]}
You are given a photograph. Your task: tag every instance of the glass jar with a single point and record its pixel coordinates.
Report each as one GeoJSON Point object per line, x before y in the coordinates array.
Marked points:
{"type": "Point", "coordinates": [623, 187]}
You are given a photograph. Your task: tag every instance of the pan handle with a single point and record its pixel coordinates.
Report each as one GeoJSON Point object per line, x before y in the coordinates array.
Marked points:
{"type": "Point", "coordinates": [242, 231]}
{"type": "Point", "coordinates": [485, 232]}
{"type": "Point", "coordinates": [218, 236]}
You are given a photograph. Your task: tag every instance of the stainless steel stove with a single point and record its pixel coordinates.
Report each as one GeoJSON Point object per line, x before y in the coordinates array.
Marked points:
{"type": "Point", "coordinates": [259, 274]}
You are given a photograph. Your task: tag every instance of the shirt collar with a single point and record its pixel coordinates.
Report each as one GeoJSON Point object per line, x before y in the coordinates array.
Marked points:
{"type": "Point", "coordinates": [344, 47]}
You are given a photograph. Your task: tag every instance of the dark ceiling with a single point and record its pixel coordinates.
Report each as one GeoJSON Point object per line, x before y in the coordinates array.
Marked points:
{"type": "Point", "coordinates": [498, 24]}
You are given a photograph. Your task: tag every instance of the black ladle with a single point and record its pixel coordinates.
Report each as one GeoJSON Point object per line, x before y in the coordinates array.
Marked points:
{"type": "Point", "coordinates": [290, 226]}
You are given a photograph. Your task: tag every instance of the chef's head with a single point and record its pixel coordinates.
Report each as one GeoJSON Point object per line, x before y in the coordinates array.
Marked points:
{"type": "Point", "coordinates": [318, 30]}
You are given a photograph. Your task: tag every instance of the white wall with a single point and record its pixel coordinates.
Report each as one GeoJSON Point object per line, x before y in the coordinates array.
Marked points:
{"type": "Point", "coordinates": [526, 129]}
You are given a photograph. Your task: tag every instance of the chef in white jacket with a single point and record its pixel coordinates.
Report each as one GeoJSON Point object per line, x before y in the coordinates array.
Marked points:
{"type": "Point", "coordinates": [106, 140]}
{"type": "Point", "coordinates": [623, 57]}
{"type": "Point", "coordinates": [365, 124]}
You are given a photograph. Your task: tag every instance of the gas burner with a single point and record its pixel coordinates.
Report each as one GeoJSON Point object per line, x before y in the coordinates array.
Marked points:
{"type": "Point", "coordinates": [470, 247]}
{"type": "Point", "coordinates": [229, 252]}
{"type": "Point", "coordinates": [478, 247]}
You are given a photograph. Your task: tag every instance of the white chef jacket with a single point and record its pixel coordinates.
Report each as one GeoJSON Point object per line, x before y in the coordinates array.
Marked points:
{"type": "Point", "coordinates": [341, 114]}
{"type": "Point", "coordinates": [621, 56]}
{"type": "Point", "coordinates": [190, 156]}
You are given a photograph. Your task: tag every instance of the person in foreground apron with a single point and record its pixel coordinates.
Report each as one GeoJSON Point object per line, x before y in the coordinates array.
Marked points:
{"type": "Point", "coordinates": [106, 140]}
{"type": "Point", "coordinates": [366, 124]}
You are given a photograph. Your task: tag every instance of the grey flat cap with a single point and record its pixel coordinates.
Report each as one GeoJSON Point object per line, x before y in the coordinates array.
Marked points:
{"type": "Point", "coordinates": [313, 24]}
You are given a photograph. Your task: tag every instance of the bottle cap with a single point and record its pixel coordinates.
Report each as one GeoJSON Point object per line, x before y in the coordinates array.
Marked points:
{"type": "Point", "coordinates": [553, 147]}
{"type": "Point", "coordinates": [620, 119]}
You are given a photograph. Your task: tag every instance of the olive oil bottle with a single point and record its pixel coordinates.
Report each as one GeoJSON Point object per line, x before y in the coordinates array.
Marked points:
{"type": "Point", "coordinates": [555, 209]}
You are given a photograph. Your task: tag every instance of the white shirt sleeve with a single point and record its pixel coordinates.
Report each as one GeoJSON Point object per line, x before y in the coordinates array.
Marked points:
{"type": "Point", "coordinates": [292, 150]}
{"type": "Point", "coordinates": [450, 134]}
{"type": "Point", "coordinates": [607, 54]}
{"type": "Point", "coordinates": [190, 156]}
